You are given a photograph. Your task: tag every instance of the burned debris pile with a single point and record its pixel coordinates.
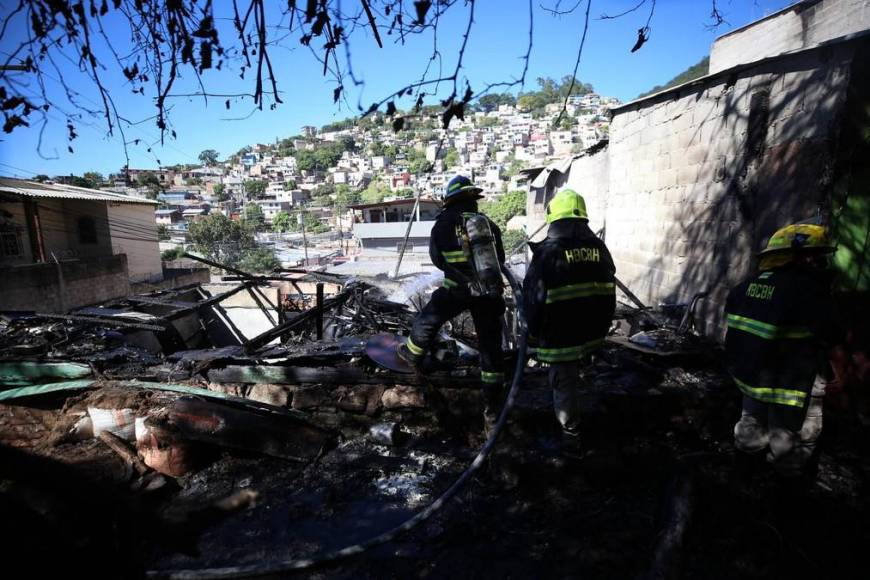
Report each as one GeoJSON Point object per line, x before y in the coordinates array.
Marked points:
{"type": "Point", "coordinates": [206, 440]}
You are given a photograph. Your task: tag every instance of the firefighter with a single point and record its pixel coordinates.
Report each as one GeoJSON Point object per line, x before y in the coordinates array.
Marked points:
{"type": "Point", "coordinates": [569, 296]}
{"type": "Point", "coordinates": [780, 327]}
{"type": "Point", "coordinates": [451, 252]}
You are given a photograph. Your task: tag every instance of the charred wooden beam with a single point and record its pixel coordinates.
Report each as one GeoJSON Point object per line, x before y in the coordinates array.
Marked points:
{"type": "Point", "coordinates": [103, 320]}
{"type": "Point", "coordinates": [236, 271]}
{"type": "Point", "coordinates": [330, 375]}
{"type": "Point", "coordinates": [222, 296]}
{"type": "Point", "coordinates": [254, 291]}
{"type": "Point", "coordinates": [125, 451]}
{"type": "Point", "coordinates": [161, 302]}
{"type": "Point", "coordinates": [296, 321]}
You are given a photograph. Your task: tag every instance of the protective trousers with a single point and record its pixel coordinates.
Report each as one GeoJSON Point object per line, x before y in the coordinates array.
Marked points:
{"type": "Point", "coordinates": [447, 303]}
{"type": "Point", "coordinates": [788, 433]}
{"type": "Point", "coordinates": [566, 382]}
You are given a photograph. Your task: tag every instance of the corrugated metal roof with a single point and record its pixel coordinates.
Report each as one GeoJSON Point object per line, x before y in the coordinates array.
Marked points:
{"type": "Point", "coordinates": [58, 191]}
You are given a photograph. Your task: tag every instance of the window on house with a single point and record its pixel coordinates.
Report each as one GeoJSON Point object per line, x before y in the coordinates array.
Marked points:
{"type": "Point", "coordinates": [10, 247]}
{"type": "Point", "coordinates": [87, 230]}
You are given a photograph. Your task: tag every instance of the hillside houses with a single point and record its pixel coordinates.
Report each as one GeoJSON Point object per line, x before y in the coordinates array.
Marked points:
{"type": "Point", "coordinates": [489, 146]}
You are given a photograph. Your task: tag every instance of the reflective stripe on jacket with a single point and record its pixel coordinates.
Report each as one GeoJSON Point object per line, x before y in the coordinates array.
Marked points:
{"type": "Point", "coordinates": [779, 322]}
{"type": "Point", "coordinates": [569, 292]}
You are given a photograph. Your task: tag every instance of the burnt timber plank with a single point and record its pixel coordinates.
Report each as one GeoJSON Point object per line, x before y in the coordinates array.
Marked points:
{"type": "Point", "coordinates": [347, 375]}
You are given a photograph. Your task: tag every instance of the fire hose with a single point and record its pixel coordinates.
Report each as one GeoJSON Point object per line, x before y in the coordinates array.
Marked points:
{"type": "Point", "coordinates": [261, 569]}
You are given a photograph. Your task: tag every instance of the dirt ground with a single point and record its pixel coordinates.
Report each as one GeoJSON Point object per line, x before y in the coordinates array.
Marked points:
{"type": "Point", "coordinates": [528, 514]}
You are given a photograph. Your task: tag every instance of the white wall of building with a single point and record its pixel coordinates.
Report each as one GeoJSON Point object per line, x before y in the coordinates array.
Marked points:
{"type": "Point", "coordinates": [134, 232]}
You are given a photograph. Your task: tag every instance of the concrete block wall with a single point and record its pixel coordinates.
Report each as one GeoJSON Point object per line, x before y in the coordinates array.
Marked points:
{"type": "Point", "coordinates": [689, 201]}
{"type": "Point", "coordinates": [589, 176]}
{"type": "Point", "coordinates": [61, 287]}
{"type": "Point", "coordinates": [802, 25]}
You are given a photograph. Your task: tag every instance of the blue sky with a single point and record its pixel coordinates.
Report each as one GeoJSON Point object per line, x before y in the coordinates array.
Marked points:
{"type": "Point", "coordinates": [499, 36]}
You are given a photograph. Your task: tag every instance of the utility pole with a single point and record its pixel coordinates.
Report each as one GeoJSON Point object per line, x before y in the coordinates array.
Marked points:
{"type": "Point", "coordinates": [304, 239]}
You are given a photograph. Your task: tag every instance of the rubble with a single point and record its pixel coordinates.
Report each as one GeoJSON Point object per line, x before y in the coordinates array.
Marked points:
{"type": "Point", "coordinates": [293, 446]}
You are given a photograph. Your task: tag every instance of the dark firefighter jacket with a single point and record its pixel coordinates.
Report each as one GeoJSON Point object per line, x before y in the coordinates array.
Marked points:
{"type": "Point", "coordinates": [780, 323]}
{"type": "Point", "coordinates": [445, 244]}
{"type": "Point", "coordinates": [569, 292]}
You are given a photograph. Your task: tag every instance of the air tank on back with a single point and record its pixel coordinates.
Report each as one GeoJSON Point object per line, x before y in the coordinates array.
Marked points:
{"type": "Point", "coordinates": [484, 256]}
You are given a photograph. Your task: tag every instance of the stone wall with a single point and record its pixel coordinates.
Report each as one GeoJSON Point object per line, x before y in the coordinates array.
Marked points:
{"type": "Point", "coordinates": [802, 25]}
{"type": "Point", "coordinates": [60, 287]}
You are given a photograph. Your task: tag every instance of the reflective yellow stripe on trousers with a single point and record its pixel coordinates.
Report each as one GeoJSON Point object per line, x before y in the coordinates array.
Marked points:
{"type": "Point", "coordinates": [488, 377]}
{"type": "Point", "coordinates": [790, 397]}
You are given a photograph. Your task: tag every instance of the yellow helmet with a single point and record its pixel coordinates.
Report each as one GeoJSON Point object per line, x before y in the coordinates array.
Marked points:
{"type": "Point", "coordinates": [567, 204]}
{"type": "Point", "coordinates": [799, 237]}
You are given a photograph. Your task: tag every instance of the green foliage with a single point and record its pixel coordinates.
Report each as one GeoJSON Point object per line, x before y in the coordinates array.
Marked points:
{"type": "Point", "coordinates": [147, 179]}
{"type": "Point", "coordinates": [220, 192]}
{"type": "Point", "coordinates": [505, 207]}
{"type": "Point", "coordinates": [337, 126]}
{"type": "Point", "coordinates": [312, 224]}
{"type": "Point", "coordinates": [258, 260]}
{"type": "Point", "coordinates": [345, 197]}
{"type": "Point", "coordinates": [417, 162]}
{"type": "Point", "coordinates": [514, 166]}
{"type": "Point", "coordinates": [551, 91]}
{"type": "Point", "coordinates": [566, 123]}
{"type": "Point", "coordinates": [193, 181]}
{"type": "Point", "coordinates": [209, 157]}
{"type": "Point", "coordinates": [695, 71]}
{"type": "Point", "coordinates": [255, 188]}
{"type": "Point", "coordinates": [41, 178]}
{"type": "Point", "coordinates": [94, 178]}
{"type": "Point", "coordinates": [491, 102]}
{"type": "Point", "coordinates": [150, 181]}
{"type": "Point", "coordinates": [323, 189]}
{"type": "Point", "coordinates": [488, 122]}
{"type": "Point", "coordinates": [286, 147]}
{"type": "Point", "coordinates": [172, 254]}
{"type": "Point", "coordinates": [510, 239]}
{"type": "Point", "coordinates": [220, 238]}
{"type": "Point", "coordinates": [451, 159]}
{"type": "Point", "coordinates": [289, 185]}
{"type": "Point", "coordinates": [282, 222]}
{"type": "Point", "coordinates": [162, 232]}
{"type": "Point", "coordinates": [254, 218]}
{"type": "Point", "coordinates": [375, 192]}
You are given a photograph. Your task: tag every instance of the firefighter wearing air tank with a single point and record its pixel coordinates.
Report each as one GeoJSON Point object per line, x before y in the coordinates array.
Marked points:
{"type": "Point", "coordinates": [467, 246]}
{"type": "Point", "coordinates": [570, 296]}
{"type": "Point", "coordinates": [780, 328]}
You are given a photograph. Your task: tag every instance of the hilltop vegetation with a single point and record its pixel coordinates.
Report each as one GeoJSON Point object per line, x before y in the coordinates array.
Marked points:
{"type": "Point", "coordinates": [695, 71]}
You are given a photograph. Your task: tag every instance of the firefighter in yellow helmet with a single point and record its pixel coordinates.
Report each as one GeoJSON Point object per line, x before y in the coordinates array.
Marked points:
{"type": "Point", "coordinates": [569, 296]}
{"type": "Point", "coordinates": [780, 329]}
